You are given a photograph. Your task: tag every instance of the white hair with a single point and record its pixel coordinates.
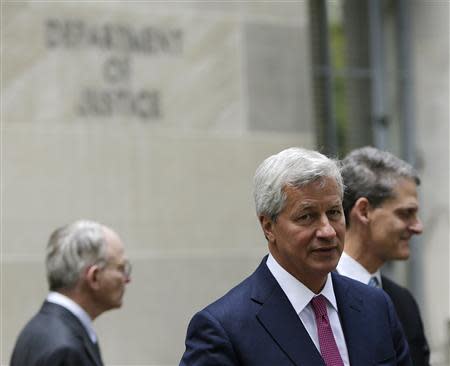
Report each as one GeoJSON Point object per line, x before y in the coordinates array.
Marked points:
{"type": "Point", "coordinates": [294, 167]}
{"type": "Point", "coordinates": [71, 249]}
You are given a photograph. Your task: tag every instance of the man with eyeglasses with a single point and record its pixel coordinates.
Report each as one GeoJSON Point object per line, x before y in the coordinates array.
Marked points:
{"type": "Point", "coordinates": [87, 272]}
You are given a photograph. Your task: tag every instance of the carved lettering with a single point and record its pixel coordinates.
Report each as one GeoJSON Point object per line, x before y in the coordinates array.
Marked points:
{"type": "Point", "coordinates": [116, 69]}
{"type": "Point", "coordinates": [75, 33]}
{"type": "Point", "coordinates": [144, 104]}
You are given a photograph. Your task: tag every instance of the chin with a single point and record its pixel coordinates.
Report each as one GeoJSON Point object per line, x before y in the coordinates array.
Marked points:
{"type": "Point", "coordinates": [402, 252]}
{"type": "Point", "coordinates": [117, 304]}
{"type": "Point", "coordinates": [398, 256]}
{"type": "Point", "coordinates": [326, 268]}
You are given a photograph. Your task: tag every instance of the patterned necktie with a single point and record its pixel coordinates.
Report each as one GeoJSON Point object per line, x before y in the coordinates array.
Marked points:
{"type": "Point", "coordinates": [374, 282]}
{"type": "Point", "coordinates": [328, 347]}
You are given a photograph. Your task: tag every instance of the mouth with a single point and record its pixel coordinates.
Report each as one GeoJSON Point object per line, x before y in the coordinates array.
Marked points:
{"type": "Point", "coordinates": [325, 249]}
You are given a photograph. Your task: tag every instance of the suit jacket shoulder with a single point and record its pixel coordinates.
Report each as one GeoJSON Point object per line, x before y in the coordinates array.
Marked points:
{"type": "Point", "coordinates": [409, 315]}
{"type": "Point", "coordinates": [54, 336]}
{"type": "Point", "coordinates": [254, 324]}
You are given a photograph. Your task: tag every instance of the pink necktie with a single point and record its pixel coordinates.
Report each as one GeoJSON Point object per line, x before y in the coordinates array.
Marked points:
{"type": "Point", "coordinates": [328, 347]}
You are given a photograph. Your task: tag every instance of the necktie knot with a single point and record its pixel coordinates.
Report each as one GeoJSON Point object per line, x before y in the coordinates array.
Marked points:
{"type": "Point", "coordinates": [319, 304]}
{"type": "Point", "coordinates": [374, 282]}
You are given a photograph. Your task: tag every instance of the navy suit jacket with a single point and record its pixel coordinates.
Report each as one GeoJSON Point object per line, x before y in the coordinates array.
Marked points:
{"type": "Point", "coordinates": [255, 325]}
{"type": "Point", "coordinates": [409, 315]}
{"type": "Point", "coordinates": [54, 337]}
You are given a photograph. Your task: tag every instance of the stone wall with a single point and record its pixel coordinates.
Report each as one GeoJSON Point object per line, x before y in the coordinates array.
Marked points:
{"type": "Point", "coordinates": [151, 118]}
{"type": "Point", "coordinates": [431, 70]}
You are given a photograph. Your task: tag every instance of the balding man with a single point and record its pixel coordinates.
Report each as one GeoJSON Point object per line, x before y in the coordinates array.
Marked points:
{"type": "Point", "coordinates": [87, 272]}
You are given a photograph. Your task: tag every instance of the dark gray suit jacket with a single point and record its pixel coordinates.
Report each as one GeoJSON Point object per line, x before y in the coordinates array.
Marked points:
{"type": "Point", "coordinates": [409, 315]}
{"type": "Point", "coordinates": [255, 325]}
{"type": "Point", "coordinates": [55, 337]}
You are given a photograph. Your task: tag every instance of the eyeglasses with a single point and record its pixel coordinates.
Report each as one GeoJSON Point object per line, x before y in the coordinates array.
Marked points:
{"type": "Point", "coordinates": [124, 268]}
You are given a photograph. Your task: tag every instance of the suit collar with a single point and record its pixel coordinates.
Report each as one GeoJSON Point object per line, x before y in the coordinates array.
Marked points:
{"type": "Point", "coordinates": [281, 321]}
{"type": "Point", "coordinates": [75, 309]}
{"type": "Point", "coordinates": [353, 321]}
{"type": "Point", "coordinates": [298, 294]}
{"type": "Point", "coordinates": [76, 326]}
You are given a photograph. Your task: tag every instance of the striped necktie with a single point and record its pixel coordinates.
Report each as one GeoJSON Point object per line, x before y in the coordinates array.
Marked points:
{"type": "Point", "coordinates": [374, 282]}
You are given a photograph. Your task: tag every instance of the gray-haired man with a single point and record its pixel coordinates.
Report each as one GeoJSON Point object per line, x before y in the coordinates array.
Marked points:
{"type": "Point", "coordinates": [294, 310]}
{"type": "Point", "coordinates": [87, 272]}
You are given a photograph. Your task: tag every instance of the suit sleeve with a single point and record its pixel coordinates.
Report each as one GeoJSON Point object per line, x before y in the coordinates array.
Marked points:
{"type": "Point", "coordinates": [400, 343]}
{"type": "Point", "coordinates": [207, 343]}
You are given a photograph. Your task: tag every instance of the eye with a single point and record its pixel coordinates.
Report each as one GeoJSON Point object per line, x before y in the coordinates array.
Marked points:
{"type": "Point", "coordinates": [334, 213]}
{"type": "Point", "coordinates": [407, 213]}
{"type": "Point", "coordinates": [304, 218]}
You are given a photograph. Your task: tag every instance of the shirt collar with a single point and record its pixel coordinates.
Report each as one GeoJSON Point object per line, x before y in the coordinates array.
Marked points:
{"type": "Point", "coordinates": [75, 309]}
{"type": "Point", "coordinates": [349, 267]}
{"type": "Point", "coordinates": [298, 294]}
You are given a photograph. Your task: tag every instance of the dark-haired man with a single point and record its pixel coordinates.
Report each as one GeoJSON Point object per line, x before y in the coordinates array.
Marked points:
{"type": "Point", "coordinates": [381, 209]}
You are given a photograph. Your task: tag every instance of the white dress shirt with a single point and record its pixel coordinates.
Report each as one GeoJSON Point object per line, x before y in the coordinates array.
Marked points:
{"type": "Point", "coordinates": [75, 309]}
{"type": "Point", "coordinates": [300, 297]}
{"type": "Point", "coordinates": [349, 267]}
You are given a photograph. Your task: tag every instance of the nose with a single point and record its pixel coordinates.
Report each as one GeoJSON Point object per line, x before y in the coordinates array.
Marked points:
{"type": "Point", "coordinates": [325, 230]}
{"type": "Point", "coordinates": [416, 227]}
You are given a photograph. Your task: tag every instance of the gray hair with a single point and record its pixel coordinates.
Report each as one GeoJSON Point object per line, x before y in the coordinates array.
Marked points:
{"type": "Point", "coordinates": [372, 173]}
{"type": "Point", "coordinates": [294, 167]}
{"type": "Point", "coordinates": [71, 249]}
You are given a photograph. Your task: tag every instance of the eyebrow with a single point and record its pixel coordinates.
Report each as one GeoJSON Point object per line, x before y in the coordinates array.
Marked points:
{"type": "Point", "coordinates": [408, 207]}
{"type": "Point", "coordinates": [307, 206]}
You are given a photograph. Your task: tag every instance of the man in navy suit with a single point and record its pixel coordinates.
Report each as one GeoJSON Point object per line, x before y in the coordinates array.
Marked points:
{"type": "Point", "coordinates": [381, 211]}
{"type": "Point", "coordinates": [293, 310]}
{"type": "Point", "coordinates": [87, 272]}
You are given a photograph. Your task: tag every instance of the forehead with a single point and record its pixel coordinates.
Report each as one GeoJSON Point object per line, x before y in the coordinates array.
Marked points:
{"type": "Point", "coordinates": [114, 245]}
{"type": "Point", "coordinates": [405, 193]}
{"type": "Point", "coordinates": [321, 191]}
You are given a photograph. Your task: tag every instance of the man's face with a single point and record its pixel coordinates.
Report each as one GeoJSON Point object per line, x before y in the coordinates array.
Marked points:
{"type": "Point", "coordinates": [394, 222]}
{"type": "Point", "coordinates": [113, 276]}
{"type": "Point", "coordinates": [307, 237]}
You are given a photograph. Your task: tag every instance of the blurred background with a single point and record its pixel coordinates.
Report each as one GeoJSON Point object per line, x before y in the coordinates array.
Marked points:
{"type": "Point", "coordinates": [151, 117]}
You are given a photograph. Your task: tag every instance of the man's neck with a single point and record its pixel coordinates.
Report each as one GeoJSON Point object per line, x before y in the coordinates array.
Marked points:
{"type": "Point", "coordinates": [356, 247]}
{"type": "Point", "coordinates": [77, 296]}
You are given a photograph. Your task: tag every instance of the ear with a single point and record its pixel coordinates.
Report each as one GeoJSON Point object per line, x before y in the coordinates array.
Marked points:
{"type": "Point", "coordinates": [267, 226]}
{"type": "Point", "coordinates": [361, 210]}
{"type": "Point", "coordinates": [91, 276]}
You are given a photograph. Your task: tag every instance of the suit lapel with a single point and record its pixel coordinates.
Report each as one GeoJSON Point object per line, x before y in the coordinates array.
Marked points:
{"type": "Point", "coordinates": [77, 328]}
{"type": "Point", "coordinates": [279, 319]}
{"type": "Point", "coordinates": [351, 314]}
{"type": "Point", "coordinates": [93, 351]}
